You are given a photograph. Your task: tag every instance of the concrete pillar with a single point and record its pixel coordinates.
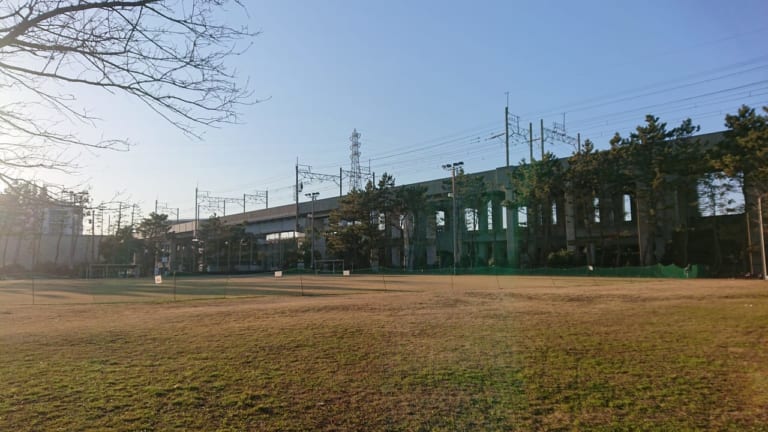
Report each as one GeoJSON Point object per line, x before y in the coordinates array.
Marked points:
{"type": "Point", "coordinates": [481, 236]}
{"type": "Point", "coordinates": [570, 222]}
{"type": "Point", "coordinates": [497, 232]}
{"type": "Point", "coordinates": [395, 256]}
{"type": "Point", "coordinates": [481, 243]}
{"type": "Point", "coordinates": [513, 253]}
{"type": "Point", "coordinates": [430, 237]}
{"type": "Point", "coordinates": [482, 217]}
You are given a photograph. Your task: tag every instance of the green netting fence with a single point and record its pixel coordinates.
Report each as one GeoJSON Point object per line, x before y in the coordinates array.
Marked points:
{"type": "Point", "coordinates": [654, 271]}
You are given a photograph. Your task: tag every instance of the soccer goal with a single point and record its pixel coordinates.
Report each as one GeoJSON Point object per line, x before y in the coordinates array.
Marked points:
{"type": "Point", "coordinates": [329, 266]}
{"type": "Point", "coordinates": [106, 271]}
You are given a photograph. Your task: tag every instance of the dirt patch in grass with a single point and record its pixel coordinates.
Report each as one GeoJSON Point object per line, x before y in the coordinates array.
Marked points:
{"type": "Point", "coordinates": [424, 353]}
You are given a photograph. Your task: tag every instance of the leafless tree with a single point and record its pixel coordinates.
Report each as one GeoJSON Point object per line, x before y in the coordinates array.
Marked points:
{"type": "Point", "coordinates": [169, 54]}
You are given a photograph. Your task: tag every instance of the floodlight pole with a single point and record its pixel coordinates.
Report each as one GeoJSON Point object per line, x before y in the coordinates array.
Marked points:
{"type": "Point", "coordinates": [452, 167]}
{"type": "Point", "coordinates": [312, 196]}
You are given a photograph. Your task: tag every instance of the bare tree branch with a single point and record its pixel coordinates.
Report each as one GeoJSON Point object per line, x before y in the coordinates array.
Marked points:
{"type": "Point", "coordinates": [169, 54]}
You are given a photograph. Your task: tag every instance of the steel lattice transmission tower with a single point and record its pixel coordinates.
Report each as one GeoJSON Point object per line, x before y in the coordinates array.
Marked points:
{"type": "Point", "coordinates": [356, 173]}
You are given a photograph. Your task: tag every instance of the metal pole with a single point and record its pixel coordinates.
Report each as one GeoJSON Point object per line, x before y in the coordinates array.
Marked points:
{"type": "Point", "coordinates": [119, 215]}
{"type": "Point", "coordinates": [530, 139]}
{"type": "Point", "coordinates": [93, 235]}
{"type": "Point", "coordinates": [749, 246]}
{"type": "Point", "coordinates": [640, 248]}
{"type": "Point", "coordinates": [452, 167]}
{"type": "Point", "coordinates": [506, 130]}
{"type": "Point", "coordinates": [542, 139]}
{"type": "Point", "coordinates": [762, 235]}
{"type": "Point", "coordinates": [455, 234]}
{"type": "Point", "coordinates": [312, 232]}
{"type": "Point", "coordinates": [296, 228]}
{"type": "Point", "coordinates": [312, 196]}
{"type": "Point", "coordinates": [578, 142]}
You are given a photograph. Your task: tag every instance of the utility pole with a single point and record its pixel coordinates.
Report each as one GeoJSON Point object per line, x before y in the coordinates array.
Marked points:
{"type": "Point", "coordinates": [197, 216]}
{"type": "Point", "coordinates": [530, 139]}
{"type": "Point", "coordinates": [296, 191]}
{"type": "Point", "coordinates": [93, 234]}
{"type": "Point", "coordinates": [506, 128]}
{"type": "Point", "coordinates": [578, 142]}
{"type": "Point", "coordinates": [452, 168]}
{"type": "Point", "coordinates": [119, 215]}
{"type": "Point", "coordinates": [542, 139]}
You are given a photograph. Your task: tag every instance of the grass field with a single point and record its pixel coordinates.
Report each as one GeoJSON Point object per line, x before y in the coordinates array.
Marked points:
{"type": "Point", "coordinates": [384, 353]}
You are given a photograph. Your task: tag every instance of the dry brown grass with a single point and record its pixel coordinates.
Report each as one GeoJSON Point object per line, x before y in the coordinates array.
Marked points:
{"type": "Point", "coordinates": [393, 353]}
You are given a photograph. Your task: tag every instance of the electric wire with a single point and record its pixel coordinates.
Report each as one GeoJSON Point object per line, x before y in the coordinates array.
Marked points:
{"type": "Point", "coordinates": [413, 161]}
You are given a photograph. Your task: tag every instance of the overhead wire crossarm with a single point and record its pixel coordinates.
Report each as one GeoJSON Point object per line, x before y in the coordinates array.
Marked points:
{"type": "Point", "coordinates": [258, 197]}
{"type": "Point", "coordinates": [207, 202]}
{"type": "Point", "coordinates": [552, 135]}
{"type": "Point", "coordinates": [214, 203]}
{"type": "Point", "coordinates": [365, 173]}
{"type": "Point", "coordinates": [225, 200]}
{"type": "Point", "coordinates": [162, 208]}
{"type": "Point", "coordinates": [304, 174]}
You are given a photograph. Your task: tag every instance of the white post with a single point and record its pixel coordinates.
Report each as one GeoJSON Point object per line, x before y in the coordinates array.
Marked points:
{"type": "Point", "coordinates": [762, 235]}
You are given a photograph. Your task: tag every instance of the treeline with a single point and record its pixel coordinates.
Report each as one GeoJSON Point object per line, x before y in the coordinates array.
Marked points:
{"type": "Point", "coordinates": [666, 173]}
{"type": "Point", "coordinates": [151, 244]}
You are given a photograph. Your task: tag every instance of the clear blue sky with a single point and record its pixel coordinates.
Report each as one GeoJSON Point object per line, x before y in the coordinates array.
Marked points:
{"type": "Point", "coordinates": [425, 83]}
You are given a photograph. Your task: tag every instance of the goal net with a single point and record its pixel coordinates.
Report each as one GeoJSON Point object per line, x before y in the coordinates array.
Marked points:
{"type": "Point", "coordinates": [329, 266]}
